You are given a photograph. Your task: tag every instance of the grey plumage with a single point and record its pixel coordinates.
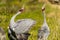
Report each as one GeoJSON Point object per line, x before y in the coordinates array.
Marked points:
{"type": "Point", "coordinates": [23, 25]}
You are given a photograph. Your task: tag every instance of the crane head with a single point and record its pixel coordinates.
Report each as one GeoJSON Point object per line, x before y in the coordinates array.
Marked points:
{"type": "Point", "coordinates": [22, 9]}
{"type": "Point", "coordinates": [43, 7]}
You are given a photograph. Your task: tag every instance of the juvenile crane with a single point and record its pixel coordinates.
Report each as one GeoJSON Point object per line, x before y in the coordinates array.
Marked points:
{"type": "Point", "coordinates": [44, 31]}
{"type": "Point", "coordinates": [19, 30]}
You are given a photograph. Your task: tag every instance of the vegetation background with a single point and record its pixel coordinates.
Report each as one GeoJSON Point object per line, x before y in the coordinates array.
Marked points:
{"type": "Point", "coordinates": [32, 10]}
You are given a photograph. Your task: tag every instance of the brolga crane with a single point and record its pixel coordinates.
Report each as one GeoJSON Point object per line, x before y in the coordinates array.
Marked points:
{"type": "Point", "coordinates": [19, 30]}
{"type": "Point", "coordinates": [44, 32]}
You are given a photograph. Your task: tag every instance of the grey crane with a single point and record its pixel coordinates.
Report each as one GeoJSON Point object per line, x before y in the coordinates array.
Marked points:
{"type": "Point", "coordinates": [20, 28]}
{"type": "Point", "coordinates": [44, 31]}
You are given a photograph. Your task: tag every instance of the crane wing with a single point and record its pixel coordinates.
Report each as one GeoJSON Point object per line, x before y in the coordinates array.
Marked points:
{"type": "Point", "coordinates": [23, 25]}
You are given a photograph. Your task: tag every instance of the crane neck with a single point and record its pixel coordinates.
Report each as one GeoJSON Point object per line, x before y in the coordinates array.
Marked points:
{"type": "Point", "coordinates": [44, 16]}
{"type": "Point", "coordinates": [12, 22]}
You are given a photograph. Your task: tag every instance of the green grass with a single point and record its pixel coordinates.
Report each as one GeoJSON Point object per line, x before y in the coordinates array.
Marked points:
{"type": "Point", "coordinates": [32, 11]}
